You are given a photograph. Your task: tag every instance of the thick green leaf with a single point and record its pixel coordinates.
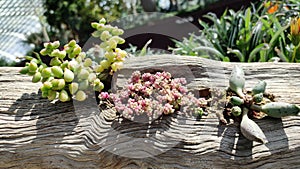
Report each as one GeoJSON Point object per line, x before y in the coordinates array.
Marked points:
{"type": "Point", "coordinates": [144, 49]}
{"type": "Point", "coordinates": [210, 49]}
{"type": "Point", "coordinates": [258, 48]}
{"type": "Point", "coordinates": [237, 53]}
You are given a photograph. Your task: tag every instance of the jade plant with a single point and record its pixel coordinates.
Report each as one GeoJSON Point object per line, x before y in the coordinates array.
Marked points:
{"type": "Point", "coordinates": [154, 95]}
{"type": "Point", "coordinates": [257, 103]}
{"type": "Point", "coordinates": [70, 73]}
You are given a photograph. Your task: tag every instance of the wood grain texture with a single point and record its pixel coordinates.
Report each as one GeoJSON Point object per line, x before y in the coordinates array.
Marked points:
{"type": "Point", "coordinates": [35, 133]}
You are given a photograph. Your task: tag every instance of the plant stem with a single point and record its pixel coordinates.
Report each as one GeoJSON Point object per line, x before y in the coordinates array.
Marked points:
{"type": "Point", "coordinates": [213, 50]}
{"type": "Point", "coordinates": [237, 53]}
{"type": "Point", "coordinates": [295, 52]}
{"type": "Point", "coordinates": [38, 57]}
{"type": "Point", "coordinates": [257, 49]}
{"type": "Point", "coordinates": [255, 107]}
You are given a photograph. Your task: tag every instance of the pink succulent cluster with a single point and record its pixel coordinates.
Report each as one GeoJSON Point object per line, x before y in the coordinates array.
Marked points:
{"type": "Point", "coordinates": [154, 95]}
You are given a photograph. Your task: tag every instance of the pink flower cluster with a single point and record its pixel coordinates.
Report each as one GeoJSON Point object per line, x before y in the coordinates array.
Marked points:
{"type": "Point", "coordinates": [154, 95]}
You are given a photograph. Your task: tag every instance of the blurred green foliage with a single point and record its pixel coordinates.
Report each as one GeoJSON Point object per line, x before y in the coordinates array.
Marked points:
{"type": "Point", "coordinates": [5, 62]}
{"type": "Point", "coordinates": [258, 33]}
{"type": "Point", "coordinates": [97, 54]}
{"type": "Point", "coordinates": [190, 5]}
{"type": "Point", "coordinates": [64, 20]}
{"type": "Point", "coordinates": [145, 51]}
{"type": "Point", "coordinates": [70, 19]}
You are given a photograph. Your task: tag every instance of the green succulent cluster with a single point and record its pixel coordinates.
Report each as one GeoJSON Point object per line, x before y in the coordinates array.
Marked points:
{"type": "Point", "coordinates": [70, 73]}
{"type": "Point", "coordinates": [110, 37]}
{"type": "Point", "coordinates": [257, 102]}
{"type": "Point", "coordinates": [257, 99]}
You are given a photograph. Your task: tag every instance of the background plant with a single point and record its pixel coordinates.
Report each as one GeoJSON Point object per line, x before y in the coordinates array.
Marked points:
{"type": "Point", "coordinates": [70, 19]}
{"type": "Point", "coordinates": [196, 45]}
{"type": "Point", "coordinates": [134, 51]}
{"type": "Point", "coordinates": [96, 53]}
{"type": "Point", "coordinates": [67, 20]}
{"type": "Point", "coordinates": [5, 62]}
{"type": "Point", "coordinates": [258, 33]}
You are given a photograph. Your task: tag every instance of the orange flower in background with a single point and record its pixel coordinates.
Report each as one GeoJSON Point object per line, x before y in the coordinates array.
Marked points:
{"type": "Point", "coordinates": [295, 26]}
{"type": "Point", "coordinates": [295, 30]}
{"type": "Point", "coordinates": [272, 8]}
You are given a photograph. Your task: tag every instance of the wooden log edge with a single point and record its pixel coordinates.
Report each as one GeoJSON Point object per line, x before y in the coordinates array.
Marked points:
{"type": "Point", "coordinates": [35, 133]}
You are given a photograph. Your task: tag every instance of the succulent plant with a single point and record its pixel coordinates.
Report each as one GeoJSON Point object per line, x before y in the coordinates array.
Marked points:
{"type": "Point", "coordinates": [260, 87]}
{"type": "Point", "coordinates": [154, 95]}
{"type": "Point", "coordinates": [237, 81]}
{"type": "Point", "coordinates": [257, 98]}
{"type": "Point", "coordinates": [278, 109]}
{"type": "Point", "coordinates": [70, 73]}
{"type": "Point", "coordinates": [257, 102]}
{"type": "Point", "coordinates": [236, 111]}
{"type": "Point", "coordinates": [250, 129]}
{"type": "Point", "coordinates": [236, 101]}
{"type": "Point", "coordinates": [64, 69]}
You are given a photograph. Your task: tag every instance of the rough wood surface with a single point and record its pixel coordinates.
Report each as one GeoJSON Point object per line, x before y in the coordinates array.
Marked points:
{"type": "Point", "coordinates": [37, 134]}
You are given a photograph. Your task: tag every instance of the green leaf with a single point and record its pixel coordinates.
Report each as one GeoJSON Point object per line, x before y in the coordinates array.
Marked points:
{"type": "Point", "coordinates": [212, 50]}
{"type": "Point", "coordinates": [279, 27]}
{"type": "Point", "coordinates": [276, 35]}
{"type": "Point", "coordinates": [233, 32]}
{"type": "Point", "coordinates": [280, 52]}
{"type": "Point", "coordinates": [257, 35]}
{"type": "Point", "coordinates": [263, 56]}
{"type": "Point", "coordinates": [144, 49]}
{"type": "Point", "coordinates": [226, 59]}
{"type": "Point", "coordinates": [237, 53]}
{"type": "Point", "coordinates": [29, 58]}
{"type": "Point", "coordinates": [258, 48]}
{"type": "Point", "coordinates": [248, 18]}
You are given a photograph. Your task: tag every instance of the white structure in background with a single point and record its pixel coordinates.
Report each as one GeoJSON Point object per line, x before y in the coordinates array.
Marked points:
{"type": "Point", "coordinates": [18, 19]}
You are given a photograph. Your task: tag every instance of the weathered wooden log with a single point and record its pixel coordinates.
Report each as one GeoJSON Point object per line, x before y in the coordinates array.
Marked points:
{"type": "Point", "coordinates": [35, 133]}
